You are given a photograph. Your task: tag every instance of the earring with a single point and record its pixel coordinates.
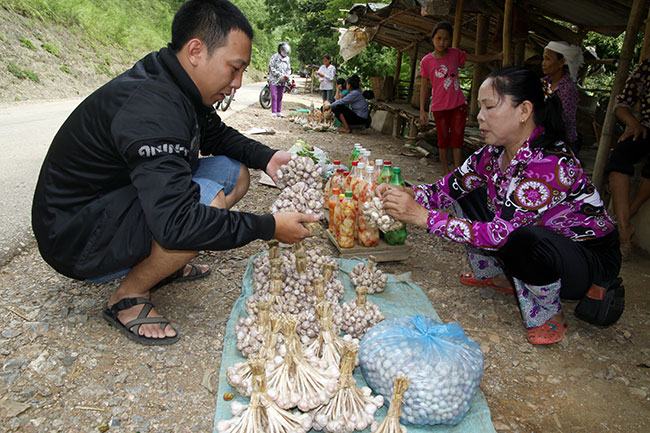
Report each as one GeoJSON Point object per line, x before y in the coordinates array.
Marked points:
{"type": "Point", "coordinates": [522, 121]}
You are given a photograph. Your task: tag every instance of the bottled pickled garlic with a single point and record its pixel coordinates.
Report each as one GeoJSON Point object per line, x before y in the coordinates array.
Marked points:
{"type": "Point", "coordinates": [334, 227]}
{"type": "Point", "coordinates": [329, 186]}
{"type": "Point", "coordinates": [333, 200]}
{"type": "Point", "coordinates": [366, 235]}
{"type": "Point", "coordinates": [346, 221]}
{"type": "Point", "coordinates": [349, 177]}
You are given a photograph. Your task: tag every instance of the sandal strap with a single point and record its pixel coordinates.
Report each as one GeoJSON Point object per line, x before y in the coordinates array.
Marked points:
{"type": "Point", "coordinates": [126, 303]}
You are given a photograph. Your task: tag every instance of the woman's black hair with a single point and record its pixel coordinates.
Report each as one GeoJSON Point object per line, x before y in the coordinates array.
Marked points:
{"type": "Point", "coordinates": [208, 20]}
{"type": "Point", "coordinates": [521, 85]}
{"type": "Point", "coordinates": [327, 56]}
{"type": "Point", "coordinates": [354, 82]}
{"type": "Point", "coordinates": [443, 25]}
{"type": "Point", "coordinates": [341, 81]}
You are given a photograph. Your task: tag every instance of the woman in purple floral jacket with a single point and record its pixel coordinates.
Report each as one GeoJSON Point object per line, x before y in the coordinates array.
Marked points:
{"type": "Point", "coordinates": [524, 206]}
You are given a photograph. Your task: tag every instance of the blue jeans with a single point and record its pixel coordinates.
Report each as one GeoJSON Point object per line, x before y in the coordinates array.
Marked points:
{"type": "Point", "coordinates": [215, 173]}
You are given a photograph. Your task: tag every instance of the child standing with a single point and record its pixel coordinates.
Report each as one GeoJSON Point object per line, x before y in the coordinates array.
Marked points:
{"type": "Point", "coordinates": [448, 104]}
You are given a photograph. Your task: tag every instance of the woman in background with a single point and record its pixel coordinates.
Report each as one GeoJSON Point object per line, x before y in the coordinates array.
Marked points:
{"type": "Point", "coordinates": [561, 64]}
{"type": "Point", "coordinates": [279, 71]}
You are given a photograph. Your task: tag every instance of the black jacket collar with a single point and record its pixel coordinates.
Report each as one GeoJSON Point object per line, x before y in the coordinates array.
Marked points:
{"type": "Point", "coordinates": [178, 73]}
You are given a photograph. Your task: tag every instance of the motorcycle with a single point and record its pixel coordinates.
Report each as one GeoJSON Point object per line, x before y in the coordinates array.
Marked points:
{"type": "Point", "coordinates": [265, 94]}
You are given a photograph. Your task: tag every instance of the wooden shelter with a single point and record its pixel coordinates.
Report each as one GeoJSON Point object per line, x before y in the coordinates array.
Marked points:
{"type": "Point", "coordinates": [518, 28]}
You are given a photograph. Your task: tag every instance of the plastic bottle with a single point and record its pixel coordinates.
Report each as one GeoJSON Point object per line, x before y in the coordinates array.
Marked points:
{"type": "Point", "coordinates": [333, 200]}
{"type": "Point", "coordinates": [366, 235]}
{"type": "Point", "coordinates": [355, 152]}
{"type": "Point", "coordinates": [386, 173]}
{"type": "Point", "coordinates": [346, 223]}
{"type": "Point", "coordinates": [396, 237]}
{"type": "Point", "coordinates": [328, 186]}
{"type": "Point", "coordinates": [354, 182]}
{"type": "Point", "coordinates": [351, 175]}
{"type": "Point", "coordinates": [337, 216]}
{"type": "Point", "coordinates": [379, 165]}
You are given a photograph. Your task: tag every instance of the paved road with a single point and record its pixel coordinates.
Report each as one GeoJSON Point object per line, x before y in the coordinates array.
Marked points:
{"type": "Point", "coordinates": [27, 130]}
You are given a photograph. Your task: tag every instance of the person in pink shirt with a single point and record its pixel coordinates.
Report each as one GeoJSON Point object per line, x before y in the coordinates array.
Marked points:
{"type": "Point", "coordinates": [448, 105]}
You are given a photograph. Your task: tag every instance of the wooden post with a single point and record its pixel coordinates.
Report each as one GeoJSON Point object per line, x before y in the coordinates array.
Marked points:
{"type": "Point", "coordinates": [645, 50]}
{"type": "Point", "coordinates": [480, 69]}
{"type": "Point", "coordinates": [625, 59]}
{"type": "Point", "coordinates": [458, 23]}
{"type": "Point", "coordinates": [507, 33]}
{"type": "Point", "coordinates": [414, 60]}
{"type": "Point", "coordinates": [520, 52]}
{"type": "Point", "coordinates": [398, 71]}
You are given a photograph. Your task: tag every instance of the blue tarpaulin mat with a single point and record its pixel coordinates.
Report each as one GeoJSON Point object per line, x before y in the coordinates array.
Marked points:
{"type": "Point", "coordinates": [400, 298]}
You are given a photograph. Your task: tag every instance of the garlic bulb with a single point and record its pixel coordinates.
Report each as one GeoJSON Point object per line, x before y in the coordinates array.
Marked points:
{"type": "Point", "coordinates": [391, 424]}
{"type": "Point", "coordinates": [376, 216]}
{"type": "Point", "coordinates": [300, 169]}
{"type": "Point", "coordinates": [359, 315]}
{"type": "Point", "coordinates": [299, 198]}
{"type": "Point", "coordinates": [351, 408]}
{"type": "Point", "coordinates": [369, 275]}
{"type": "Point", "coordinates": [262, 415]}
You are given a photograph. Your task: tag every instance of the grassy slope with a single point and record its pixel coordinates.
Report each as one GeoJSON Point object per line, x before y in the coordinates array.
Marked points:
{"type": "Point", "coordinates": [66, 48]}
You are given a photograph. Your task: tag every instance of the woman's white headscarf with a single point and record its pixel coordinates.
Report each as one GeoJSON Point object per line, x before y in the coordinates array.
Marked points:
{"type": "Point", "coordinates": [572, 55]}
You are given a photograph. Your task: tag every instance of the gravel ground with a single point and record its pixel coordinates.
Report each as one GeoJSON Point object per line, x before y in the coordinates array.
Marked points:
{"type": "Point", "coordinates": [64, 369]}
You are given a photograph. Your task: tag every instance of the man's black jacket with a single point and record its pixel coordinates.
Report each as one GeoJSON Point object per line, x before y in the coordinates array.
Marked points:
{"type": "Point", "coordinates": [119, 174]}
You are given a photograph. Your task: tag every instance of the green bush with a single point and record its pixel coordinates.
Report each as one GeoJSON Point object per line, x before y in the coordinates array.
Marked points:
{"type": "Point", "coordinates": [27, 43]}
{"type": "Point", "coordinates": [50, 49]}
{"type": "Point", "coordinates": [65, 69]}
{"type": "Point", "coordinates": [16, 71]}
{"type": "Point", "coordinates": [32, 76]}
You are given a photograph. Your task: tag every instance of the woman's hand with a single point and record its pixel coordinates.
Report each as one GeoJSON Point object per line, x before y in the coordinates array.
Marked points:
{"type": "Point", "coordinates": [279, 159]}
{"type": "Point", "coordinates": [400, 204]}
{"type": "Point", "coordinates": [424, 119]}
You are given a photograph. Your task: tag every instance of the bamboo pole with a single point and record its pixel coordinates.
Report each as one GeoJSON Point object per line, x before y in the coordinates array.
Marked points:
{"type": "Point", "coordinates": [645, 50]}
{"type": "Point", "coordinates": [398, 71]}
{"type": "Point", "coordinates": [414, 59]}
{"type": "Point", "coordinates": [458, 22]}
{"type": "Point", "coordinates": [606, 136]}
{"type": "Point", "coordinates": [480, 69]}
{"type": "Point", "coordinates": [507, 33]}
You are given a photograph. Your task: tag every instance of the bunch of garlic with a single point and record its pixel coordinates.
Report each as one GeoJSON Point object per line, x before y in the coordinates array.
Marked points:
{"type": "Point", "coordinates": [391, 424]}
{"type": "Point", "coordinates": [375, 216]}
{"type": "Point", "coordinates": [299, 197]}
{"type": "Point", "coordinates": [262, 415]}
{"type": "Point", "coordinates": [300, 169]}
{"type": "Point", "coordinates": [352, 408]}
{"type": "Point", "coordinates": [239, 375]}
{"type": "Point", "coordinates": [359, 315]}
{"type": "Point", "coordinates": [370, 276]}
{"type": "Point", "coordinates": [250, 333]}
{"type": "Point", "coordinates": [328, 345]}
{"type": "Point", "coordinates": [297, 381]}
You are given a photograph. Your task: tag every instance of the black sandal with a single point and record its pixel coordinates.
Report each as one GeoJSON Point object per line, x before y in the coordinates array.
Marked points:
{"type": "Point", "coordinates": [195, 274]}
{"type": "Point", "coordinates": [131, 328]}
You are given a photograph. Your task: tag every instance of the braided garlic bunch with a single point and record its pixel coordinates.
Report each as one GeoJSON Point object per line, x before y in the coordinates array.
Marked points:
{"type": "Point", "coordinates": [359, 315]}
{"type": "Point", "coordinates": [369, 275]}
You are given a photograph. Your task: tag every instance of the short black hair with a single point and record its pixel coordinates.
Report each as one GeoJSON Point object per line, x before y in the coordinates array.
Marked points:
{"type": "Point", "coordinates": [327, 56]}
{"type": "Point", "coordinates": [341, 81]}
{"type": "Point", "coordinates": [521, 85]}
{"type": "Point", "coordinates": [354, 82]}
{"type": "Point", "coordinates": [211, 21]}
{"type": "Point", "coordinates": [443, 25]}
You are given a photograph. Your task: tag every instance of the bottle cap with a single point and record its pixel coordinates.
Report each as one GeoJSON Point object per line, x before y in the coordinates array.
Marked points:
{"type": "Point", "coordinates": [387, 162]}
{"type": "Point", "coordinates": [339, 170]}
{"type": "Point", "coordinates": [354, 163]}
{"type": "Point", "coordinates": [361, 165]}
{"type": "Point", "coordinates": [337, 162]}
{"type": "Point", "coordinates": [366, 152]}
{"type": "Point", "coordinates": [336, 191]}
{"type": "Point", "coordinates": [345, 173]}
{"type": "Point", "coordinates": [379, 162]}
{"type": "Point", "coordinates": [370, 169]}
{"type": "Point", "coordinates": [348, 194]}
{"type": "Point", "coordinates": [357, 144]}
{"type": "Point", "coordinates": [341, 196]}
{"type": "Point", "coordinates": [397, 170]}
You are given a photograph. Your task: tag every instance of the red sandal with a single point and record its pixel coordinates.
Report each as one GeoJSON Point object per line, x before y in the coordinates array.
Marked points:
{"type": "Point", "coordinates": [549, 333]}
{"type": "Point", "coordinates": [469, 279]}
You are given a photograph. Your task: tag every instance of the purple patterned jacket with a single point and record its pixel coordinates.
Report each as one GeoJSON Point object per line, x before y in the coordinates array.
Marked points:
{"type": "Point", "coordinates": [544, 187]}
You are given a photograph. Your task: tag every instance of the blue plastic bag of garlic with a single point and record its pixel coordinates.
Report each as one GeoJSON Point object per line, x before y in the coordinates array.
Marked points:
{"type": "Point", "coordinates": [444, 366]}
